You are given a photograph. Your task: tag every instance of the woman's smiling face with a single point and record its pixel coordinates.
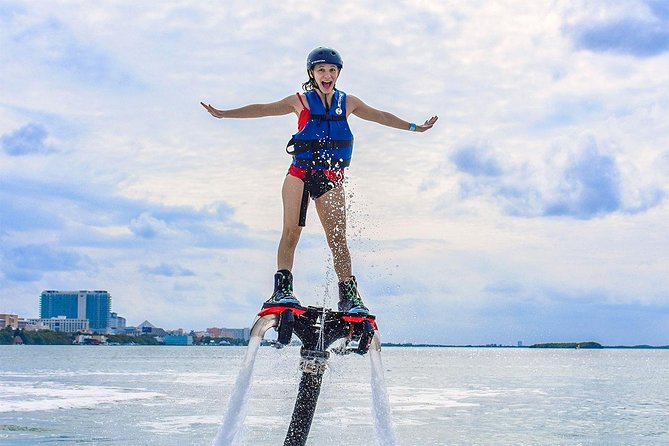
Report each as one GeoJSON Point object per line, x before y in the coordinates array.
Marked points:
{"type": "Point", "coordinates": [325, 76]}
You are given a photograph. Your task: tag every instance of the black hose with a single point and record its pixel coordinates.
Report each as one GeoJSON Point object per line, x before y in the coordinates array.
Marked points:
{"type": "Point", "coordinates": [305, 406]}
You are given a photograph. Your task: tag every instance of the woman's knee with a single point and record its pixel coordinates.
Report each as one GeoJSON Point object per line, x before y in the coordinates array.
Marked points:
{"type": "Point", "coordinates": [291, 235]}
{"type": "Point", "coordinates": [337, 243]}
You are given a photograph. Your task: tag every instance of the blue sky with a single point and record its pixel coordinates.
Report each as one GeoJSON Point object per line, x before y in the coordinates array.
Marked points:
{"type": "Point", "coordinates": [534, 211]}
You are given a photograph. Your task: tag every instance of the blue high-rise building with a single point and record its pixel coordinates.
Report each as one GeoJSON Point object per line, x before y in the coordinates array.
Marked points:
{"type": "Point", "coordinates": [92, 305]}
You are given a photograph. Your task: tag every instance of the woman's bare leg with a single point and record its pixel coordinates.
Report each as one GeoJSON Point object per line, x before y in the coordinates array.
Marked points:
{"type": "Point", "coordinates": [331, 209]}
{"type": "Point", "coordinates": [291, 194]}
{"type": "Point", "coordinates": [332, 212]}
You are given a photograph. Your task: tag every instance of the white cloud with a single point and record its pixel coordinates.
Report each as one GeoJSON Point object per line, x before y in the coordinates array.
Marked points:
{"type": "Point", "coordinates": [147, 226]}
{"type": "Point", "coordinates": [168, 270]}
{"type": "Point", "coordinates": [541, 188]}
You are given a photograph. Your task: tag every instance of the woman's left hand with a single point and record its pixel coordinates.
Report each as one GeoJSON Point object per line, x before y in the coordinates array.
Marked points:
{"type": "Point", "coordinates": [427, 125]}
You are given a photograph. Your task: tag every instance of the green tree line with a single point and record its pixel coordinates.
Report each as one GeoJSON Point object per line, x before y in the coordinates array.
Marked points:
{"type": "Point", "coordinates": [49, 337]}
{"type": "Point", "coordinates": [38, 337]}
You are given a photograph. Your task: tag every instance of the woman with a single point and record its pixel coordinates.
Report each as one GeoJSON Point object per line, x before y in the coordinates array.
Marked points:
{"type": "Point", "coordinates": [321, 151]}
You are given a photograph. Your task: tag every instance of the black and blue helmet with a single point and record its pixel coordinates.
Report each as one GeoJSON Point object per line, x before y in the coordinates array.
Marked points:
{"type": "Point", "coordinates": [324, 54]}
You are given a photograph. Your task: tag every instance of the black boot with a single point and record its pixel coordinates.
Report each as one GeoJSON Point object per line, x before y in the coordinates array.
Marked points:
{"type": "Point", "coordinates": [349, 298]}
{"type": "Point", "coordinates": [283, 289]}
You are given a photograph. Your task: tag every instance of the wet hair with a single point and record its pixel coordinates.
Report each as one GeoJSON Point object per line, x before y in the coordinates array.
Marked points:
{"type": "Point", "coordinates": [310, 84]}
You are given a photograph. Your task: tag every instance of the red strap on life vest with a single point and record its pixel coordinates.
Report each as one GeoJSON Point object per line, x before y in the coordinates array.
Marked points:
{"type": "Point", "coordinates": [304, 114]}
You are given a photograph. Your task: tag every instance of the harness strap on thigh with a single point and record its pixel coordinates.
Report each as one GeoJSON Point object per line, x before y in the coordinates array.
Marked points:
{"type": "Point", "coordinates": [304, 204]}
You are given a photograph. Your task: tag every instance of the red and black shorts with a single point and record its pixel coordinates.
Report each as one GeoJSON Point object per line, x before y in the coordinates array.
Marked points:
{"type": "Point", "coordinates": [318, 182]}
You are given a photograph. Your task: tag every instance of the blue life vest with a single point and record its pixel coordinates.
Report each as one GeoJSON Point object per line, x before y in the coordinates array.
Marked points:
{"type": "Point", "coordinates": [326, 141]}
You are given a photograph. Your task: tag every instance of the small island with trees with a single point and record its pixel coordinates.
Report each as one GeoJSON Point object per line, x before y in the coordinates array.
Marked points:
{"type": "Point", "coordinates": [575, 345]}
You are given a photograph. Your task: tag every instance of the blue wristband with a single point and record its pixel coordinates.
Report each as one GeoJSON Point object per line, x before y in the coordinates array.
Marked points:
{"type": "Point", "coordinates": [412, 126]}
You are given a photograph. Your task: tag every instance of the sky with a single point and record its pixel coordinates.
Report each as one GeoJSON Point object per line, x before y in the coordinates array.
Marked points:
{"type": "Point", "coordinates": [535, 210]}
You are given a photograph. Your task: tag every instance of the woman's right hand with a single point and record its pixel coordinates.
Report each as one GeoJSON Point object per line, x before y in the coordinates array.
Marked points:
{"type": "Point", "coordinates": [216, 113]}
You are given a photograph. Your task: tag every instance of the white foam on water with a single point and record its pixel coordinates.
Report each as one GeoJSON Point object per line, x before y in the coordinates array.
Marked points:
{"type": "Point", "coordinates": [343, 415]}
{"type": "Point", "coordinates": [383, 422]}
{"type": "Point", "coordinates": [230, 432]}
{"type": "Point", "coordinates": [61, 373]}
{"type": "Point", "coordinates": [413, 399]}
{"type": "Point", "coordinates": [178, 424]}
{"type": "Point", "coordinates": [266, 420]}
{"type": "Point", "coordinates": [36, 396]}
{"type": "Point", "coordinates": [202, 378]}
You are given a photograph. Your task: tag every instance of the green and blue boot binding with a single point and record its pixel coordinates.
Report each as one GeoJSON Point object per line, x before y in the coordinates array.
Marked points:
{"type": "Point", "coordinates": [283, 290]}
{"type": "Point", "coordinates": [349, 298]}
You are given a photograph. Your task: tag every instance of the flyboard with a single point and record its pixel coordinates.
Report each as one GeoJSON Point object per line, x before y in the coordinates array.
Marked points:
{"type": "Point", "coordinates": [318, 328]}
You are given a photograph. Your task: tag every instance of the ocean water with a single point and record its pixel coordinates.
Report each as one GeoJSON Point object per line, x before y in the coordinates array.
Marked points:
{"type": "Point", "coordinates": [97, 395]}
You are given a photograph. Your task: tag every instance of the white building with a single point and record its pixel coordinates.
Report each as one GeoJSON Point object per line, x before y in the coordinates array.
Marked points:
{"type": "Point", "coordinates": [62, 324]}
{"type": "Point", "coordinates": [116, 323]}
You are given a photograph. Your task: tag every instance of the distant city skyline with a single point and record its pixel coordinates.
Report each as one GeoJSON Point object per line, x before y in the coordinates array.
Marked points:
{"type": "Point", "coordinates": [72, 311]}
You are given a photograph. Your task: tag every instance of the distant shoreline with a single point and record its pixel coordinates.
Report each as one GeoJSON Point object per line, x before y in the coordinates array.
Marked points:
{"type": "Point", "coordinates": [9, 336]}
{"type": "Point", "coordinates": [551, 345]}
{"type": "Point", "coordinates": [390, 345]}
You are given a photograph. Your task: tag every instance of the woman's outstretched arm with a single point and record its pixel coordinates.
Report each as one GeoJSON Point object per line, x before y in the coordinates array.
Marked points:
{"type": "Point", "coordinates": [285, 106]}
{"type": "Point", "coordinates": [355, 106]}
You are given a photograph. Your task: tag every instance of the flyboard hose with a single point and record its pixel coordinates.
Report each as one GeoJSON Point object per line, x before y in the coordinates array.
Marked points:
{"type": "Point", "coordinates": [318, 329]}
{"type": "Point", "coordinates": [313, 365]}
{"type": "Point", "coordinates": [313, 368]}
